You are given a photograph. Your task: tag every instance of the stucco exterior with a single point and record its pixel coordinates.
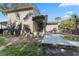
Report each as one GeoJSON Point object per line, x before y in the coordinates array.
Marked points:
{"type": "Point", "coordinates": [23, 16]}
{"type": "Point", "coordinates": [50, 27]}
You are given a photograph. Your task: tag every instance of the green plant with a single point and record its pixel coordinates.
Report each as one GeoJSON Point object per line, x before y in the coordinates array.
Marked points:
{"type": "Point", "coordinates": [23, 50]}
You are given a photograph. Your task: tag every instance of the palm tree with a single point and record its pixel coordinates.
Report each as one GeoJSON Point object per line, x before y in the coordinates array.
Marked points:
{"type": "Point", "coordinates": [58, 18]}
{"type": "Point", "coordinates": [3, 7]}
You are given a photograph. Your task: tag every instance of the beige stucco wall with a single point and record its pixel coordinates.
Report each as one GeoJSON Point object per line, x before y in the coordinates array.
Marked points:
{"type": "Point", "coordinates": [24, 13]}
{"type": "Point", "coordinates": [12, 16]}
{"type": "Point", "coordinates": [27, 21]}
{"type": "Point", "coordinates": [50, 27]}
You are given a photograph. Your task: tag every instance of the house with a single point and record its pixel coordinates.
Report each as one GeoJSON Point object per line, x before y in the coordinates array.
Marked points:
{"type": "Point", "coordinates": [50, 26]}
{"type": "Point", "coordinates": [27, 15]}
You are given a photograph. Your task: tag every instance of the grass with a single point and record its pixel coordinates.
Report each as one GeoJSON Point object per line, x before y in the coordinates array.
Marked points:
{"type": "Point", "coordinates": [2, 40]}
{"type": "Point", "coordinates": [23, 50]}
{"type": "Point", "coordinates": [28, 47]}
{"type": "Point", "coordinates": [71, 38]}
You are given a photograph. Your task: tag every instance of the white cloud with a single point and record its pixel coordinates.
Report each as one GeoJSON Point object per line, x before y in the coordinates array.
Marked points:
{"type": "Point", "coordinates": [68, 4]}
{"type": "Point", "coordinates": [44, 10]}
{"type": "Point", "coordinates": [66, 16]}
{"type": "Point", "coordinates": [68, 13]}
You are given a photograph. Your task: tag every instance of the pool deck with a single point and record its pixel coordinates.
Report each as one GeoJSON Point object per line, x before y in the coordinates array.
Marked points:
{"type": "Point", "coordinates": [57, 39]}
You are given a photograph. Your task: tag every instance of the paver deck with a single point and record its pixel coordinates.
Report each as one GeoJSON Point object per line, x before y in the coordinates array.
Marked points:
{"type": "Point", "coordinates": [57, 39]}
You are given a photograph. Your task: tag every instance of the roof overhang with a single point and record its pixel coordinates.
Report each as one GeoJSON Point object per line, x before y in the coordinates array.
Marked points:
{"type": "Point", "coordinates": [52, 23]}
{"type": "Point", "coordinates": [19, 9]}
{"type": "Point", "coordinates": [39, 17]}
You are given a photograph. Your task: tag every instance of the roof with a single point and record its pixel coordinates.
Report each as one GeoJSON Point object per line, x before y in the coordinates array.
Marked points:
{"type": "Point", "coordinates": [20, 9]}
{"type": "Point", "coordinates": [52, 23]}
{"type": "Point", "coordinates": [41, 17]}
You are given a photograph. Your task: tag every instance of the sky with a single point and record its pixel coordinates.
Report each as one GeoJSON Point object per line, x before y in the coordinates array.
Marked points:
{"type": "Point", "coordinates": [53, 10]}
{"type": "Point", "coordinates": [63, 10]}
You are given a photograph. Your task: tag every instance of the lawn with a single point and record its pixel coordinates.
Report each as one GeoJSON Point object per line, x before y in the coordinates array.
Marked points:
{"type": "Point", "coordinates": [2, 40]}
{"type": "Point", "coordinates": [22, 49]}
